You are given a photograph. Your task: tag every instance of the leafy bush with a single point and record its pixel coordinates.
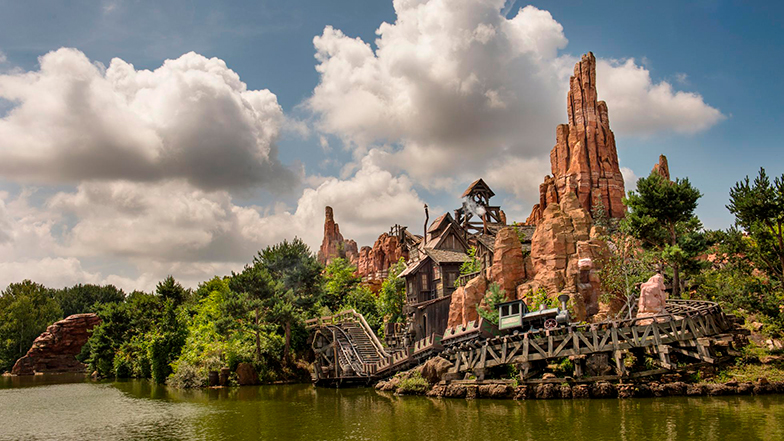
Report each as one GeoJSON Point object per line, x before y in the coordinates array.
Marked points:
{"type": "Point", "coordinates": [472, 265]}
{"type": "Point", "coordinates": [493, 297]}
{"type": "Point", "coordinates": [187, 376]}
{"type": "Point", "coordinates": [413, 385]}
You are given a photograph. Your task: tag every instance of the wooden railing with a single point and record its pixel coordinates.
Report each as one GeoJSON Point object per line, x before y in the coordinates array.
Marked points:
{"type": "Point", "coordinates": [463, 279]}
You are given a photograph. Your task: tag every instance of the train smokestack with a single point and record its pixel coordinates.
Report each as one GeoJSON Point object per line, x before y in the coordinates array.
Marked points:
{"type": "Point", "coordinates": [563, 298]}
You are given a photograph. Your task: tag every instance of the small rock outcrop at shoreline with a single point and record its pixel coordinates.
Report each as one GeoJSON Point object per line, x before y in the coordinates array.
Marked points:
{"type": "Point", "coordinates": [56, 349]}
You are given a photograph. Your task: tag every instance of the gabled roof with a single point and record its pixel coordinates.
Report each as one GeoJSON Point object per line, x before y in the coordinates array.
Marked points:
{"type": "Point", "coordinates": [439, 222]}
{"type": "Point", "coordinates": [437, 256]}
{"type": "Point", "coordinates": [455, 231]}
{"type": "Point", "coordinates": [477, 185]}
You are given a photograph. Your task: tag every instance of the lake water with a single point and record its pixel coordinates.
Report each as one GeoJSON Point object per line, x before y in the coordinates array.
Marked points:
{"type": "Point", "coordinates": [67, 407]}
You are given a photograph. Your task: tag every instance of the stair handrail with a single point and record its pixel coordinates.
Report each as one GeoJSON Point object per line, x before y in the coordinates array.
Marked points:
{"type": "Point", "coordinates": [359, 367]}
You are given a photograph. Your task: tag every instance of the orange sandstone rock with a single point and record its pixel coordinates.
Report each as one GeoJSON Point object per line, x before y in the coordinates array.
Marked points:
{"type": "Point", "coordinates": [584, 159]}
{"type": "Point", "coordinates": [56, 349]}
{"type": "Point", "coordinates": [334, 245]}
{"type": "Point", "coordinates": [508, 269]}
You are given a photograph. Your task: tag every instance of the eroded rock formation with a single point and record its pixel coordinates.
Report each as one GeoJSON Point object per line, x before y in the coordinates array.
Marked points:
{"type": "Point", "coordinates": [465, 300]}
{"type": "Point", "coordinates": [565, 236]}
{"type": "Point", "coordinates": [662, 168]}
{"type": "Point", "coordinates": [652, 298]}
{"type": "Point", "coordinates": [56, 349]}
{"type": "Point", "coordinates": [334, 245]}
{"type": "Point", "coordinates": [508, 269]}
{"type": "Point", "coordinates": [384, 253]}
{"type": "Point", "coordinates": [584, 159]}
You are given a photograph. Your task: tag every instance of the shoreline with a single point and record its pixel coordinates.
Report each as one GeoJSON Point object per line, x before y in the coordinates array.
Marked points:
{"type": "Point", "coordinates": [506, 389]}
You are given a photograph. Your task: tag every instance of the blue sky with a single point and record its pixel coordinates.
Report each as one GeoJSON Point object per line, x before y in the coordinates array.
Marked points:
{"type": "Point", "coordinates": [328, 144]}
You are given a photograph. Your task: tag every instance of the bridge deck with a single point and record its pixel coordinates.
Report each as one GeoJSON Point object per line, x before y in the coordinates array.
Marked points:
{"type": "Point", "coordinates": [347, 349]}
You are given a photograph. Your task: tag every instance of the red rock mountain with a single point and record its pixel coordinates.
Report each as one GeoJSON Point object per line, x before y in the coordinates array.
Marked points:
{"type": "Point", "coordinates": [56, 349]}
{"type": "Point", "coordinates": [384, 253]}
{"type": "Point", "coordinates": [584, 159]}
{"type": "Point", "coordinates": [334, 245]}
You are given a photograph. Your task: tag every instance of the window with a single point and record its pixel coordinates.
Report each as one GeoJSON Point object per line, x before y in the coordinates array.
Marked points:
{"type": "Point", "coordinates": [451, 276]}
{"type": "Point", "coordinates": [436, 272]}
{"type": "Point", "coordinates": [425, 286]}
{"type": "Point", "coordinates": [515, 308]}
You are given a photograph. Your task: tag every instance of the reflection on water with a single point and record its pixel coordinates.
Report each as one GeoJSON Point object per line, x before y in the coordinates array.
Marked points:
{"type": "Point", "coordinates": [81, 409]}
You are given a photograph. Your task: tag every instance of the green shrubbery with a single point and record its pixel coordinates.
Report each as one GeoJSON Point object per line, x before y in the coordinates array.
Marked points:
{"type": "Point", "coordinates": [414, 384]}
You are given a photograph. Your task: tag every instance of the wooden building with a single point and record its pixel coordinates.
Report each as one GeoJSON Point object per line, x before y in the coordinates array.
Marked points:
{"type": "Point", "coordinates": [430, 280]}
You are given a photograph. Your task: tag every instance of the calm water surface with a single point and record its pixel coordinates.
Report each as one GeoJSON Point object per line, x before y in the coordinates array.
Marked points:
{"type": "Point", "coordinates": [71, 408]}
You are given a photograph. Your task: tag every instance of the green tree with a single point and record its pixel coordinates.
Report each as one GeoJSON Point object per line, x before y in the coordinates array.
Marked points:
{"type": "Point", "coordinates": [493, 297]}
{"type": "Point", "coordinates": [661, 215]}
{"type": "Point", "coordinates": [297, 275]}
{"type": "Point", "coordinates": [170, 289]}
{"type": "Point", "coordinates": [87, 298]}
{"type": "Point", "coordinates": [362, 300]}
{"type": "Point", "coordinates": [26, 309]}
{"type": "Point", "coordinates": [392, 296]}
{"type": "Point", "coordinates": [758, 207]}
{"type": "Point", "coordinates": [340, 280]}
{"type": "Point", "coordinates": [166, 342]}
{"type": "Point", "coordinates": [254, 287]}
{"type": "Point", "coordinates": [124, 330]}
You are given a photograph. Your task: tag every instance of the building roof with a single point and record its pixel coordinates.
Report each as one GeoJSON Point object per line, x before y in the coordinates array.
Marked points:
{"type": "Point", "coordinates": [439, 221]}
{"type": "Point", "coordinates": [487, 240]}
{"type": "Point", "coordinates": [477, 185]}
{"type": "Point", "coordinates": [446, 256]}
{"type": "Point", "coordinates": [437, 256]}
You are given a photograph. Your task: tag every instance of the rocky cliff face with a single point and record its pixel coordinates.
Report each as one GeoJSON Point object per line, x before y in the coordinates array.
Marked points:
{"type": "Point", "coordinates": [56, 349]}
{"type": "Point", "coordinates": [508, 269]}
{"type": "Point", "coordinates": [566, 255]}
{"type": "Point", "coordinates": [465, 300]}
{"type": "Point", "coordinates": [384, 253]}
{"type": "Point", "coordinates": [584, 159]}
{"type": "Point", "coordinates": [334, 245]}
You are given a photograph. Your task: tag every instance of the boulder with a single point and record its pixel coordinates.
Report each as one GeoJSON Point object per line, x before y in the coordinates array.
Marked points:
{"type": "Point", "coordinates": [584, 160]}
{"type": "Point", "coordinates": [603, 389]}
{"type": "Point", "coordinates": [495, 391]}
{"type": "Point", "coordinates": [333, 245]}
{"type": "Point", "coordinates": [652, 298]}
{"type": "Point", "coordinates": [434, 369]}
{"type": "Point", "coordinates": [465, 300]}
{"type": "Point", "coordinates": [247, 375]}
{"type": "Point", "coordinates": [547, 391]}
{"type": "Point", "coordinates": [508, 269]}
{"type": "Point", "coordinates": [56, 349]}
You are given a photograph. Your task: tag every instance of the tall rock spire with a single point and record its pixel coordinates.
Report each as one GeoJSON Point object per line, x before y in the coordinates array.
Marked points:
{"type": "Point", "coordinates": [584, 159]}
{"type": "Point", "coordinates": [333, 245]}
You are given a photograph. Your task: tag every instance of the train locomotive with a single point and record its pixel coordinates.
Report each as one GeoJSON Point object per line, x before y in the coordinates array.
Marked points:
{"type": "Point", "coordinates": [514, 317]}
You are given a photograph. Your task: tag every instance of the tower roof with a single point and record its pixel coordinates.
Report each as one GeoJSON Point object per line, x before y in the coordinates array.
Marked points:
{"type": "Point", "coordinates": [478, 186]}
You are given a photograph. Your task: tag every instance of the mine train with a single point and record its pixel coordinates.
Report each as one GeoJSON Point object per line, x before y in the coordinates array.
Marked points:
{"type": "Point", "coordinates": [514, 317]}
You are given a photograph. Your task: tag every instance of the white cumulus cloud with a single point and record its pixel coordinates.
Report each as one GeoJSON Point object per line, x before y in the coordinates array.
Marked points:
{"type": "Point", "coordinates": [453, 88]}
{"type": "Point", "coordinates": [191, 118]}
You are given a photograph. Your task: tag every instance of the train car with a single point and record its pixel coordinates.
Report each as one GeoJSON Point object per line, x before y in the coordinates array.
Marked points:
{"type": "Point", "coordinates": [515, 316]}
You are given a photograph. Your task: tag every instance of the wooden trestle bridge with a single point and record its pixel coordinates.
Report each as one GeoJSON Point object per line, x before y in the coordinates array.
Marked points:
{"type": "Point", "coordinates": [696, 332]}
